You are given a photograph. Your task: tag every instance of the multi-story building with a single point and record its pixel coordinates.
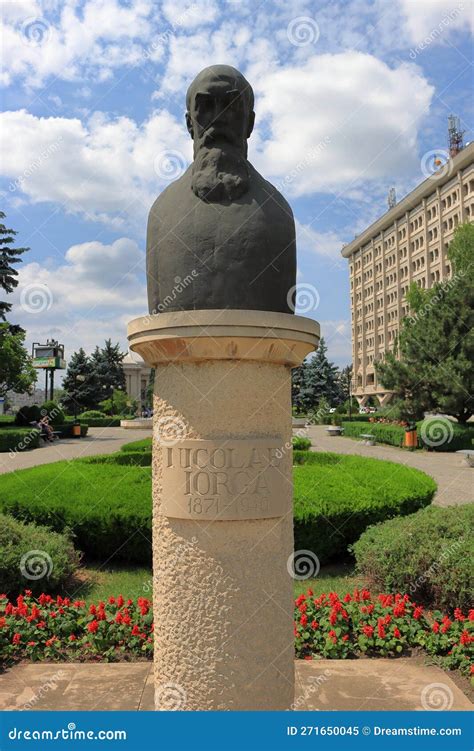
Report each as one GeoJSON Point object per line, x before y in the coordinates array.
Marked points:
{"type": "Point", "coordinates": [407, 244]}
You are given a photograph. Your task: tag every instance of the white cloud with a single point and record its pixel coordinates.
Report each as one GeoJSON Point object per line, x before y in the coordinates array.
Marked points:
{"type": "Point", "coordinates": [435, 19]}
{"type": "Point", "coordinates": [339, 118]}
{"type": "Point", "coordinates": [337, 335]}
{"type": "Point", "coordinates": [89, 297]}
{"type": "Point", "coordinates": [101, 168]}
{"type": "Point", "coordinates": [310, 242]}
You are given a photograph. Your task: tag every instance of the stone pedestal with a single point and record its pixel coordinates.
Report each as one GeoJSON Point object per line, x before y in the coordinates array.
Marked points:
{"type": "Point", "coordinates": [222, 504]}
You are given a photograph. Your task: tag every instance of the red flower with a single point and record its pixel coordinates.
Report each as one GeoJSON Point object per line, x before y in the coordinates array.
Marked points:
{"type": "Point", "coordinates": [314, 625]}
{"type": "Point", "coordinates": [136, 630]}
{"type": "Point", "coordinates": [368, 630]}
{"type": "Point", "coordinates": [308, 657]}
{"type": "Point", "coordinates": [471, 615]}
{"type": "Point", "coordinates": [31, 644]}
{"type": "Point", "coordinates": [111, 600]}
{"type": "Point", "coordinates": [381, 629]}
{"type": "Point", "coordinates": [119, 618]}
{"type": "Point", "coordinates": [333, 618]}
{"type": "Point", "coordinates": [92, 610]}
{"type": "Point", "coordinates": [16, 638]}
{"type": "Point", "coordinates": [332, 633]}
{"type": "Point", "coordinates": [435, 627]}
{"type": "Point", "coordinates": [465, 638]}
{"type": "Point", "coordinates": [399, 609]}
{"type": "Point", "coordinates": [446, 624]}
{"type": "Point", "coordinates": [303, 621]}
{"type": "Point", "coordinates": [396, 633]}
{"type": "Point", "coordinates": [417, 612]}
{"type": "Point", "coordinates": [51, 641]}
{"type": "Point", "coordinates": [120, 601]}
{"type": "Point", "coordinates": [365, 594]}
{"type": "Point", "coordinates": [3, 622]}
{"type": "Point", "coordinates": [458, 614]}
{"type": "Point", "coordinates": [345, 637]}
{"type": "Point", "coordinates": [310, 592]}
{"type": "Point", "coordinates": [72, 637]}
{"type": "Point", "coordinates": [299, 600]}
{"type": "Point", "coordinates": [93, 626]}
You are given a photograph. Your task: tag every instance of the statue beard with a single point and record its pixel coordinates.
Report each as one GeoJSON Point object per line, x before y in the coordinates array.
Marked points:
{"type": "Point", "coordinates": [219, 174]}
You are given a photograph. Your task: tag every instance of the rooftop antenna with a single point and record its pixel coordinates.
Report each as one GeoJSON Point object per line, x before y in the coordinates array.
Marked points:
{"type": "Point", "coordinates": [391, 198]}
{"type": "Point", "coordinates": [455, 135]}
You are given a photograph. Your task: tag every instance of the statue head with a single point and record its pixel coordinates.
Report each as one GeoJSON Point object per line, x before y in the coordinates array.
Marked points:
{"type": "Point", "coordinates": [220, 119]}
{"type": "Point", "coordinates": [219, 108]}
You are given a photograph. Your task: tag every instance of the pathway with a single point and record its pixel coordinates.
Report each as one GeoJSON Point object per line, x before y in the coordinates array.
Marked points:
{"type": "Point", "coordinates": [455, 481]}
{"type": "Point", "coordinates": [97, 441]}
{"type": "Point", "coordinates": [359, 685]}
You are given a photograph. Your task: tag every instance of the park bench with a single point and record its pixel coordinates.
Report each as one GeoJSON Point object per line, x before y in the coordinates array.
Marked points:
{"type": "Point", "coordinates": [467, 456]}
{"type": "Point", "coordinates": [368, 439]}
{"type": "Point", "coordinates": [335, 430]}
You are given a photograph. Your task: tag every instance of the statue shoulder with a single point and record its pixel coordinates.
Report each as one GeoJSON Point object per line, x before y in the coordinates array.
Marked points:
{"type": "Point", "coordinates": [271, 190]}
{"type": "Point", "coordinates": [172, 196]}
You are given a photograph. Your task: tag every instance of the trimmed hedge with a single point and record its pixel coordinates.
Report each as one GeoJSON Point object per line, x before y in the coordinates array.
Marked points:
{"type": "Point", "coordinates": [106, 500]}
{"type": "Point", "coordinates": [300, 443]}
{"type": "Point", "coordinates": [144, 445]}
{"type": "Point", "coordinates": [102, 422]}
{"type": "Point", "coordinates": [391, 434]}
{"type": "Point", "coordinates": [18, 439]}
{"type": "Point", "coordinates": [28, 414]}
{"type": "Point", "coordinates": [33, 557]}
{"type": "Point", "coordinates": [452, 435]}
{"type": "Point", "coordinates": [428, 555]}
{"type": "Point", "coordinates": [337, 496]}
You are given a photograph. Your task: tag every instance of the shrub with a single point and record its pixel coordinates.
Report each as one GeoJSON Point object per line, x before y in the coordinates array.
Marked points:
{"type": "Point", "coordinates": [300, 443]}
{"type": "Point", "coordinates": [33, 556]}
{"type": "Point", "coordinates": [19, 439]}
{"type": "Point", "coordinates": [26, 415]}
{"type": "Point", "coordinates": [54, 412]}
{"type": "Point", "coordinates": [144, 445]}
{"type": "Point", "coordinates": [428, 554]}
{"type": "Point", "coordinates": [92, 413]}
{"type": "Point", "coordinates": [442, 434]}
{"type": "Point", "coordinates": [391, 434]}
{"type": "Point", "coordinates": [107, 506]}
{"type": "Point", "coordinates": [337, 496]}
{"type": "Point", "coordinates": [355, 417]}
{"type": "Point", "coordinates": [102, 422]}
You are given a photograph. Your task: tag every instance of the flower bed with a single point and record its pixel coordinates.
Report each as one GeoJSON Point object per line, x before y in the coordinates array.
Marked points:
{"type": "Point", "coordinates": [383, 626]}
{"type": "Point", "coordinates": [60, 629]}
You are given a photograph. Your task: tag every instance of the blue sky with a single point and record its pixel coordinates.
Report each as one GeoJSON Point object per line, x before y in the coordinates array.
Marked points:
{"type": "Point", "coordinates": [350, 98]}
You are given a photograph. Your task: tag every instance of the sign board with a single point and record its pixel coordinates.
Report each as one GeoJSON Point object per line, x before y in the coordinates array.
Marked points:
{"type": "Point", "coordinates": [49, 362]}
{"type": "Point", "coordinates": [224, 479]}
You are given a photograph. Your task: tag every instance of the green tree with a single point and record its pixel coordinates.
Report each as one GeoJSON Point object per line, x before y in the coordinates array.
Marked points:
{"type": "Point", "coordinates": [345, 378]}
{"type": "Point", "coordinates": [432, 365]}
{"type": "Point", "coordinates": [8, 256]}
{"type": "Point", "coordinates": [80, 385]}
{"type": "Point", "coordinates": [297, 376]}
{"type": "Point", "coordinates": [119, 404]}
{"type": "Point", "coordinates": [16, 371]}
{"type": "Point", "coordinates": [320, 379]}
{"type": "Point", "coordinates": [107, 366]}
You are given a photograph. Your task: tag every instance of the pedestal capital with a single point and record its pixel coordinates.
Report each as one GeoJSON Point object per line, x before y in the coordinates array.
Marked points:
{"type": "Point", "coordinates": [198, 335]}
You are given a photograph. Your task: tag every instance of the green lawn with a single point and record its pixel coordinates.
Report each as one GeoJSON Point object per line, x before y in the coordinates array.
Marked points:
{"type": "Point", "coordinates": [100, 582]}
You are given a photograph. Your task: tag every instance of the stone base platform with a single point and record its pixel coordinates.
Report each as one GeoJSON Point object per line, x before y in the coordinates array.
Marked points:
{"type": "Point", "coordinates": [357, 685]}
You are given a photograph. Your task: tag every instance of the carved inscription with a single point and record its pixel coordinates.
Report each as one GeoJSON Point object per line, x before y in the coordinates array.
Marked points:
{"type": "Point", "coordinates": [222, 480]}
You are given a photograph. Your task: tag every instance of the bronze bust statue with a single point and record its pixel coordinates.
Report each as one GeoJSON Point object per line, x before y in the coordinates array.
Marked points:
{"type": "Point", "coordinates": [220, 236]}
